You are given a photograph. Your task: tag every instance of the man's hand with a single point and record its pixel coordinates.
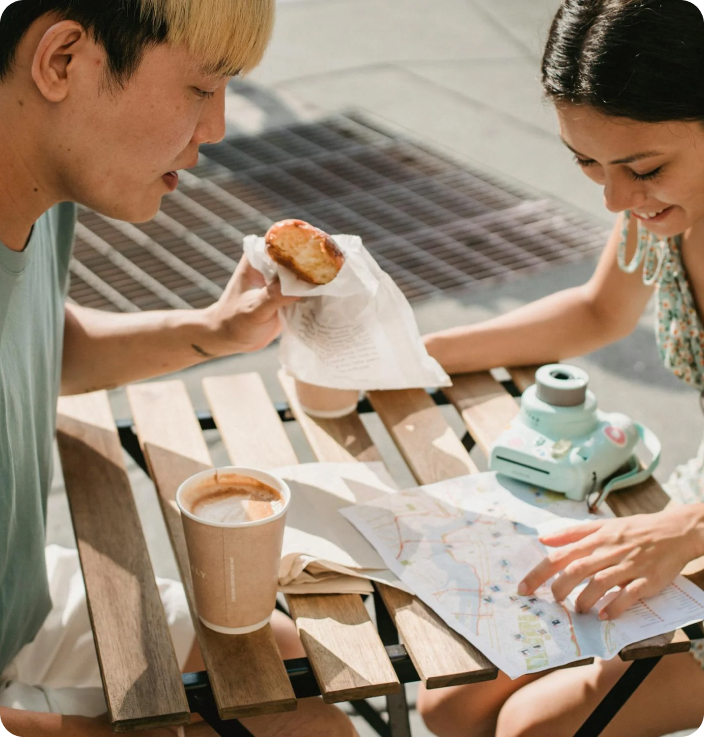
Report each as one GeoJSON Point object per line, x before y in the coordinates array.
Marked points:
{"type": "Point", "coordinates": [640, 555]}
{"type": "Point", "coordinates": [245, 318]}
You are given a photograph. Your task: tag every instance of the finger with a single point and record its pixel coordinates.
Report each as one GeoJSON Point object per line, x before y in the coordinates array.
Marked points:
{"type": "Point", "coordinates": [602, 582]}
{"type": "Point", "coordinates": [583, 568]}
{"type": "Point", "coordinates": [641, 588]}
{"type": "Point", "coordinates": [571, 534]}
{"type": "Point", "coordinates": [248, 276]}
{"type": "Point", "coordinates": [551, 565]}
{"type": "Point", "coordinates": [278, 299]}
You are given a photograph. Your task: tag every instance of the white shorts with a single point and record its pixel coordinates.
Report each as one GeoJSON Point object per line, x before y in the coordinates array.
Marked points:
{"type": "Point", "coordinates": [58, 671]}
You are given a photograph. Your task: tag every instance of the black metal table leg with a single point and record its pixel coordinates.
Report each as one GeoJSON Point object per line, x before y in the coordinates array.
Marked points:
{"type": "Point", "coordinates": [201, 701]}
{"type": "Point", "coordinates": [396, 704]}
{"type": "Point", "coordinates": [613, 701]}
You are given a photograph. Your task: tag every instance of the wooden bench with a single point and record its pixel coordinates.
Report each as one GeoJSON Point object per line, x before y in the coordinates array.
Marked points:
{"type": "Point", "coordinates": [140, 674]}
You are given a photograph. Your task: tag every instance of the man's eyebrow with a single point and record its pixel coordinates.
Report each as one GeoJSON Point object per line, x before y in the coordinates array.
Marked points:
{"type": "Point", "coordinates": [220, 71]}
{"type": "Point", "coordinates": [628, 160]}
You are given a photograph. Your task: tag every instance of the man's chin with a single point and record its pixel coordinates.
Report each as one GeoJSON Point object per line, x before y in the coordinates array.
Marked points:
{"type": "Point", "coordinates": [129, 212]}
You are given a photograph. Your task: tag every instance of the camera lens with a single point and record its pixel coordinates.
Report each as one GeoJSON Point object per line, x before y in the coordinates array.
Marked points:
{"type": "Point", "coordinates": [561, 385]}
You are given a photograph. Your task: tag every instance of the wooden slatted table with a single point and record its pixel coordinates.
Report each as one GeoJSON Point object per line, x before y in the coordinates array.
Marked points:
{"type": "Point", "coordinates": [345, 653]}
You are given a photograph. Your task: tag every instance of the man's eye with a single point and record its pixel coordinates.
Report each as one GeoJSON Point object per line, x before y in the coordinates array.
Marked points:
{"type": "Point", "coordinates": [203, 93]}
{"type": "Point", "coordinates": [645, 177]}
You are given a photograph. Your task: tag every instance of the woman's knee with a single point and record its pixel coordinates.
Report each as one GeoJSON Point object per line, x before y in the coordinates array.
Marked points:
{"type": "Point", "coordinates": [448, 712]}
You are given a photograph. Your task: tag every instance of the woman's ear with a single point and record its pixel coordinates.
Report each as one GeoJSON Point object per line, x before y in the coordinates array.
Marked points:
{"type": "Point", "coordinates": [53, 57]}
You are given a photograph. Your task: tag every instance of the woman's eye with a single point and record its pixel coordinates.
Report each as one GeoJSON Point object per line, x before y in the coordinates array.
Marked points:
{"type": "Point", "coordinates": [584, 162]}
{"type": "Point", "coordinates": [645, 177]}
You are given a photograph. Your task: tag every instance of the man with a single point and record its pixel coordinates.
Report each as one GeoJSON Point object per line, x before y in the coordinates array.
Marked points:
{"type": "Point", "coordinates": [101, 103]}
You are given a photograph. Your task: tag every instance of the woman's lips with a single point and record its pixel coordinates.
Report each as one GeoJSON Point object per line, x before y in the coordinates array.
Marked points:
{"type": "Point", "coordinates": [657, 218]}
{"type": "Point", "coordinates": [170, 179]}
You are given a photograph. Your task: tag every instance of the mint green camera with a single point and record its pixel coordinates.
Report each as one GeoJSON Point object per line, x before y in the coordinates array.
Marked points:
{"type": "Point", "coordinates": [561, 441]}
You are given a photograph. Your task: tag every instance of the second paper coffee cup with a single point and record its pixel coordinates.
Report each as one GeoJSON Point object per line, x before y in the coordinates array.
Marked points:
{"type": "Point", "coordinates": [233, 521]}
{"type": "Point", "coordinates": [326, 403]}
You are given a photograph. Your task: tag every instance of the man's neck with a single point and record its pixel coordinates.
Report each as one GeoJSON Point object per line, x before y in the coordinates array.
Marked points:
{"type": "Point", "coordinates": [23, 196]}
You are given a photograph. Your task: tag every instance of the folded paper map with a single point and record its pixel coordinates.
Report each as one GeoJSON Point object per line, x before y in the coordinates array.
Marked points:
{"type": "Point", "coordinates": [322, 552]}
{"type": "Point", "coordinates": [463, 545]}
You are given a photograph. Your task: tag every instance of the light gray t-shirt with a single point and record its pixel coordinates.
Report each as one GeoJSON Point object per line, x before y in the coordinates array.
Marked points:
{"type": "Point", "coordinates": [33, 286]}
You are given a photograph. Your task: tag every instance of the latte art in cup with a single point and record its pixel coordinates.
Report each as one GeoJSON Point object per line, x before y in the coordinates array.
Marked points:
{"type": "Point", "coordinates": [233, 521]}
{"type": "Point", "coordinates": [236, 501]}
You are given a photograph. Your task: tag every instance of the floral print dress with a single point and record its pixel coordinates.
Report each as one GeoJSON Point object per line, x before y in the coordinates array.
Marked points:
{"type": "Point", "coordinates": [680, 337]}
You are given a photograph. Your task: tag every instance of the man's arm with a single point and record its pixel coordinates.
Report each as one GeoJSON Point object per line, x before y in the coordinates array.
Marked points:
{"type": "Point", "coordinates": [103, 350]}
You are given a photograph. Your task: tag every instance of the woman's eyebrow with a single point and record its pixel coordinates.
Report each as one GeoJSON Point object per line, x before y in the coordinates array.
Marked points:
{"type": "Point", "coordinates": [628, 160]}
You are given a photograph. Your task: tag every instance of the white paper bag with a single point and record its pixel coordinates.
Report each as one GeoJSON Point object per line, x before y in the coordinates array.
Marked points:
{"type": "Point", "coordinates": [357, 332]}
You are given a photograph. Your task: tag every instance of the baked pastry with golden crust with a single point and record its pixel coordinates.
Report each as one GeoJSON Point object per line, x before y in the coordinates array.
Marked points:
{"type": "Point", "coordinates": [310, 253]}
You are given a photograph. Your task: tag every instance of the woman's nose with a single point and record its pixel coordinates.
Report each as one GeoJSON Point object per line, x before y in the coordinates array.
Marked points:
{"type": "Point", "coordinates": [623, 193]}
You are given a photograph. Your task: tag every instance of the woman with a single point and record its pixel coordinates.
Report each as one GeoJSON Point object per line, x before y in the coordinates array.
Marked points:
{"type": "Point", "coordinates": [627, 81]}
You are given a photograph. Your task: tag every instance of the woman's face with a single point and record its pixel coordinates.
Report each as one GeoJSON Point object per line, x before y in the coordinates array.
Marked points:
{"type": "Point", "coordinates": [655, 170]}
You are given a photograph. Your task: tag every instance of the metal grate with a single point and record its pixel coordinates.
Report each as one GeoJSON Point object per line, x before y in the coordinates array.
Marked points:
{"type": "Point", "coordinates": [431, 223]}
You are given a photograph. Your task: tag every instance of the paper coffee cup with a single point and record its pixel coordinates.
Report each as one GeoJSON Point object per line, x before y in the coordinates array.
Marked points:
{"type": "Point", "coordinates": [326, 403]}
{"type": "Point", "coordinates": [234, 565]}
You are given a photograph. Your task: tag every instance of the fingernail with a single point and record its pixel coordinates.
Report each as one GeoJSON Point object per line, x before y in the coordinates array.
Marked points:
{"type": "Point", "coordinates": [522, 589]}
{"type": "Point", "coordinates": [603, 615]}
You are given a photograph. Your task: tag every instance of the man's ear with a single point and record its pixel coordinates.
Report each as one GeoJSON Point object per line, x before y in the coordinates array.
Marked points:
{"type": "Point", "coordinates": [50, 66]}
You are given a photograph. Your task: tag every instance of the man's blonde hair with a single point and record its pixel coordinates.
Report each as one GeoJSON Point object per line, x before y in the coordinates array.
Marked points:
{"type": "Point", "coordinates": [227, 36]}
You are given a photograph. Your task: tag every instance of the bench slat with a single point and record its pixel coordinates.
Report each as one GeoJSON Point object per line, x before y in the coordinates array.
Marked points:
{"type": "Point", "coordinates": [427, 443]}
{"type": "Point", "coordinates": [248, 422]}
{"type": "Point", "coordinates": [246, 672]}
{"type": "Point", "coordinates": [440, 656]}
{"type": "Point", "coordinates": [487, 408]}
{"type": "Point", "coordinates": [345, 652]}
{"type": "Point", "coordinates": [344, 440]}
{"type": "Point", "coordinates": [138, 665]}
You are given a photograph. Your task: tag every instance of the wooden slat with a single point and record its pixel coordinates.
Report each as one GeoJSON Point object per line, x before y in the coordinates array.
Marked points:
{"type": "Point", "coordinates": [248, 422]}
{"type": "Point", "coordinates": [345, 650]}
{"type": "Point", "coordinates": [428, 445]}
{"type": "Point", "coordinates": [337, 441]}
{"type": "Point", "coordinates": [487, 408]}
{"type": "Point", "coordinates": [138, 665]}
{"type": "Point", "coordinates": [672, 642]}
{"type": "Point", "coordinates": [523, 376]}
{"type": "Point", "coordinates": [246, 672]}
{"type": "Point", "coordinates": [343, 646]}
{"type": "Point", "coordinates": [440, 656]}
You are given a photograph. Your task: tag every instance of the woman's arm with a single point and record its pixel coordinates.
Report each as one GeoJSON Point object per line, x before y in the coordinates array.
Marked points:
{"type": "Point", "coordinates": [569, 323]}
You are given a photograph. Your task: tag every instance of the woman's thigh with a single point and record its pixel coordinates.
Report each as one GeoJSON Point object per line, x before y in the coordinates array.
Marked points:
{"type": "Point", "coordinates": [670, 699]}
{"type": "Point", "coordinates": [467, 711]}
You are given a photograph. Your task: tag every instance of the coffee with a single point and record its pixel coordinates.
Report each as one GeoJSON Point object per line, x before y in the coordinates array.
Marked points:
{"type": "Point", "coordinates": [229, 498]}
{"type": "Point", "coordinates": [239, 502]}
{"type": "Point", "coordinates": [233, 521]}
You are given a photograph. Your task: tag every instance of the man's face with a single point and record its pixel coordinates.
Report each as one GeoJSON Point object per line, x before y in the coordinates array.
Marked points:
{"type": "Point", "coordinates": [116, 150]}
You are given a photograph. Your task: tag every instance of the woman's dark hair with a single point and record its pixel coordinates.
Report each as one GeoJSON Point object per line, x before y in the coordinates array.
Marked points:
{"type": "Point", "coordinates": [638, 59]}
{"type": "Point", "coordinates": [119, 26]}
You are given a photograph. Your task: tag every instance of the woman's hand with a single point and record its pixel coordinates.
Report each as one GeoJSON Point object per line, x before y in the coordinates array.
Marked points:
{"type": "Point", "coordinates": [641, 555]}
